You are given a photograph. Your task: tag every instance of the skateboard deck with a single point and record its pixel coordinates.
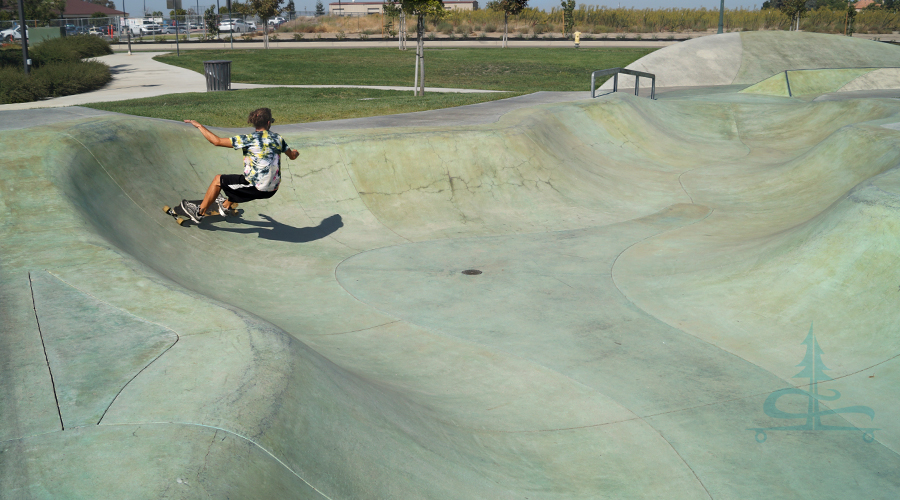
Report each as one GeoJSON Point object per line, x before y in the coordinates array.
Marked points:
{"type": "Point", "coordinates": [180, 217]}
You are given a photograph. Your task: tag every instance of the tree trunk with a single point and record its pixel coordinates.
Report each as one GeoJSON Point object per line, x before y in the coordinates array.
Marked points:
{"type": "Point", "coordinates": [416, 78]}
{"type": "Point", "coordinates": [401, 31]}
{"type": "Point", "coordinates": [505, 27]}
{"type": "Point", "coordinates": [420, 41]}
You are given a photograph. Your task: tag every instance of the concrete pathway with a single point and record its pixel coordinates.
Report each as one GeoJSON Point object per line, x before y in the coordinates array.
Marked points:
{"type": "Point", "coordinates": [138, 75]}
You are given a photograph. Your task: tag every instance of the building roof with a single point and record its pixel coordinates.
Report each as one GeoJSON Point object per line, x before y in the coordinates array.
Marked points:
{"type": "Point", "coordinates": [862, 4]}
{"type": "Point", "coordinates": [80, 8]}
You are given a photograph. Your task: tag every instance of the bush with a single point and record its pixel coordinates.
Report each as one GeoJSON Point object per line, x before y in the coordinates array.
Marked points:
{"type": "Point", "coordinates": [298, 36]}
{"type": "Point", "coordinates": [11, 57]}
{"type": "Point", "coordinates": [70, 48]}
{"type": "Point", "coordinates": [445, 28]}
{"type": "Point", "coordinates": [309, 28]}
{"type": "Point", "coordinates": [490, 28]}
{"type": "Point", "coordinates": [52, 80]}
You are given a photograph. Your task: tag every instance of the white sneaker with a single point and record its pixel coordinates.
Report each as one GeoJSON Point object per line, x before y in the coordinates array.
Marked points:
{"type": "Point", "coordinates": [220, 202]}
{"type": "Point", "coordinates": [192, 211]}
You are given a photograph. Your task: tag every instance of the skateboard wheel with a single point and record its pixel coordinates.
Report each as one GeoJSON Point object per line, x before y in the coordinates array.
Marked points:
{"type": "Point", "coordinates": [180, 221]}
{"type": "Point", "coordinates": [166, 208]}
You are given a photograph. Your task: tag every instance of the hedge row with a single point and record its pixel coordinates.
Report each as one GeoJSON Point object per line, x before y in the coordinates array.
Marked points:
{"type": "Point", "coordinates": [58, 69]}
{"type": "Point", "coordinates": [52, 80]}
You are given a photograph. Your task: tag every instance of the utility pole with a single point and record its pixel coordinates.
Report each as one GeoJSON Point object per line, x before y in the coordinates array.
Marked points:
{"type": "Point", "coordinates": [24, 35]}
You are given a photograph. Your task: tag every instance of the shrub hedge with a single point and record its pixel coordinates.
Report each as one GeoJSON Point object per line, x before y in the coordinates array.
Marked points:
{"type": "Point", "coordinates": [58, 69]}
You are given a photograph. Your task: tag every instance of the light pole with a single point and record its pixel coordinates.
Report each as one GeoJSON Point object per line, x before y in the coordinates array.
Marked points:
{"type": "Point", "coordinates": [24, 36]}
{"type": "Point", "coordinates": [721, 15]}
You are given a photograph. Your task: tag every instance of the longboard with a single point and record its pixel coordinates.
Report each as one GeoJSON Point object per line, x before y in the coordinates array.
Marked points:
{"type": "Point", "coordinates": [180, 217]}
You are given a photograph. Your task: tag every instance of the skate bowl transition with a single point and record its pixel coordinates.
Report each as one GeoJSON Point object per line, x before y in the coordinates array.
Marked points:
{"type": "Point", "coordinates": [692, 297]}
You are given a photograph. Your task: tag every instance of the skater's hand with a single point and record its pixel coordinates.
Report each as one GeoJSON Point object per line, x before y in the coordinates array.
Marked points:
{"type": "Point", "coordinates": [292, 154]}
{"type": "Point", "coordinates": [194, 123]}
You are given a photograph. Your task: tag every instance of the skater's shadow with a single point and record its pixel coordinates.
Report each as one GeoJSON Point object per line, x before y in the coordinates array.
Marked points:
{"type": "Point", "coordinates": [271, 229]}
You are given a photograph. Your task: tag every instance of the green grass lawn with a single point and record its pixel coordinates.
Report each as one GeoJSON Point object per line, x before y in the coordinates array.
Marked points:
{"type": "Point", "coordinates": [230, 109]}
{"type": "Point", "coordinates": [517, 70]}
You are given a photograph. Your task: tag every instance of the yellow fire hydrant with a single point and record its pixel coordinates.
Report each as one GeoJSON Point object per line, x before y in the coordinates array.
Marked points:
{"type": "Point", "coordinates": [577, 38]}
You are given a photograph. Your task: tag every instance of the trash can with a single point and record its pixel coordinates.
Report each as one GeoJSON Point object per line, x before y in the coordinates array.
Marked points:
{"type": "Point", "coordinates": [218, 75]}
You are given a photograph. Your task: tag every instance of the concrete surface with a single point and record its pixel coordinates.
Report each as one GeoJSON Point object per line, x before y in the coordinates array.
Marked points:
{"type": "Point", "coordinates": [752, 56]}
{"type": "Point", "coordinates": [692, 297]}
{"type": "Point", "coordinates": [826, 81]}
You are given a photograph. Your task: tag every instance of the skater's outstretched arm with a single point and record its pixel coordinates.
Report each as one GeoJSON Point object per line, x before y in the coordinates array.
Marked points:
{"type": "Point", "coordinates": [215, 140]}
{"type": "Point", "coordinates": [292, 154]}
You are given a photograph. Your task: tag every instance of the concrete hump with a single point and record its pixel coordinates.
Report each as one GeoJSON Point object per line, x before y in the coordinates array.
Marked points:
{"type": "Point", "coordinates": [751, 57]}
{"type": "Point", "coordinates": [711, 60]}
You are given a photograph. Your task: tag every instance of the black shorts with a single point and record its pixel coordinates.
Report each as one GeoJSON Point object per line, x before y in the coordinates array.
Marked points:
{"type": "Point", "coordinates": [238, 190]}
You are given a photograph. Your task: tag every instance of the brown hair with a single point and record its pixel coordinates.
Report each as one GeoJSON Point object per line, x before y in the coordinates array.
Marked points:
{"type": "Point", "coordinates": [260, 118]}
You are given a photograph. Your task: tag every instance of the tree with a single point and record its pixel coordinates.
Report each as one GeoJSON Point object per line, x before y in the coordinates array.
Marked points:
{"type": "Point", "coordinates": [793, 9]}
{"type": "Point", "coordinates": [320, 9]}
{"type": "Point", "coordinates": [265, 9]}
{"type": "Point", "coordinates": [851, 15]}
{"type": "Point", "coordinates": [98, 14]}
{"type": "Point", "coordinates": [391, 11]}
{"type": "Point", "coordinates": [44, 10]}
{"type": "Point", "coordinates": [290, 9]}
{"type": "Point", "coordinates": [568, 8]}
{"type": "Point", "coordinates": [420, 9]}
{"type": "Point", "coordinates": [240, 8]}
{"type": "Point", "coordinates": [106, 3]}
{"type": "Point", "coordinates": [508, 7]}
{"type": "Point", "coordinates": [211, 20]}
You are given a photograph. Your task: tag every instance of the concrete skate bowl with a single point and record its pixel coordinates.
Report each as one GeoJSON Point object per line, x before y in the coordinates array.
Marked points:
{"type": "Point", "coordinates": [649, 273]}
{"type": "Point", "coordinates": [746, 58]}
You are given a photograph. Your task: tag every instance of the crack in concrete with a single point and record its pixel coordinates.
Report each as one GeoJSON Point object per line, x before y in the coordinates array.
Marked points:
{"type": "Point", "coordinates": [46, 358]}
{"type": "Point", "coordinates": [235, 434]}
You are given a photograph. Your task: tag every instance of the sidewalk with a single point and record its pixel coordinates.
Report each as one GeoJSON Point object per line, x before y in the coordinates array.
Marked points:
{"type": "Point", "coordinates": [138, 75]}
{"type": "Point", "coordinates": [329, 41]}
{"type": "Point", "coordinates": [392, 44]}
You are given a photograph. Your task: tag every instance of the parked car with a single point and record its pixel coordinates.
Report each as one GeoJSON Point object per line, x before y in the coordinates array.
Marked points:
{"type": "Point", "coordinates": [251, 26]}
{"type": "Point", "coordinates": [171, 29]}
{"type": "Point", "coordinates": [233, 26]}
{"type": "Point", "coordinates": [96, 31]}
{"type": "Point", "coordinates": [277, 21]}
{"type": "Point", "coordinates": [12, 34]}
{"type": "Point", "coordinates": [151, 29]}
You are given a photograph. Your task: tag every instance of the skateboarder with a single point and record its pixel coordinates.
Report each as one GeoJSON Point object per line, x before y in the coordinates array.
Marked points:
{"type": "Point", "coordinates": [262, 166]}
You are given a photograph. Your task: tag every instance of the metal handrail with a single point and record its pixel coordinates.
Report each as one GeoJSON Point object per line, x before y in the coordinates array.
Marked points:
{"type": "Point", "coordinates": [615, 72]}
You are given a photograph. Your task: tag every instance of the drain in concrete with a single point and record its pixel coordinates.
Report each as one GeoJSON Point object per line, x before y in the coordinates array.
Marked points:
{"type": "Point", "coordinates": [471, 272]}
